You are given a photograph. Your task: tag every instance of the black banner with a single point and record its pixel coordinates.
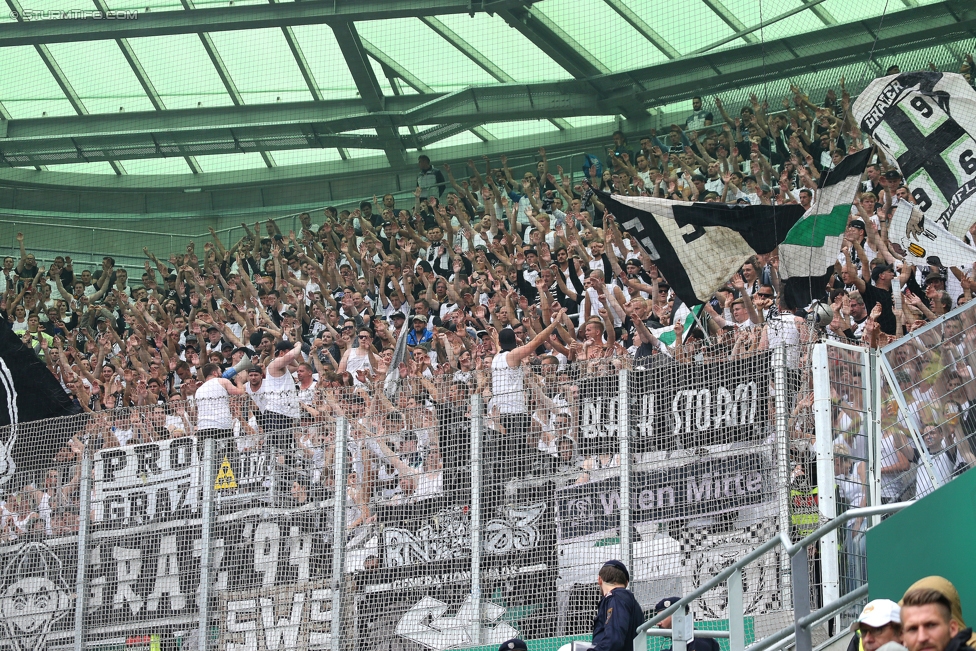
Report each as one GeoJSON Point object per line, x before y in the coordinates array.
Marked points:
{"type": "Point", "coordinates": [678, 406]}
{"type": "Point", "coordinates": [702, 487]}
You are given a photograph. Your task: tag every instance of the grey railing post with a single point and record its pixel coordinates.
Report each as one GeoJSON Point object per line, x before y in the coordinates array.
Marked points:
{"type": "Point", "coordinates": [477, 434]}
{"type": "Point", "coordinates": [801, 599]}
{"type": "Point", "coordinates": [206, 531]}
{"type": "Point", "coordinates": [682, 628]}
{"type": "Point", "coordinates": [781, 425]}
{"type": "Point", "coordinates": [623, 432]}
{"type": "Point", "coordinates": [84, 524]}
{"type": "Point", "coordinates": [874, 398]}
{"type": "Point", "coordinates": [339, 528]}
{"type": "Point", "coordinates": [737, 624]}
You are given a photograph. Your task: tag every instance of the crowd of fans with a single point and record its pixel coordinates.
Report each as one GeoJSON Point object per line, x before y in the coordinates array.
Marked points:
{"type": "Point", "coordinates": [512, 286]}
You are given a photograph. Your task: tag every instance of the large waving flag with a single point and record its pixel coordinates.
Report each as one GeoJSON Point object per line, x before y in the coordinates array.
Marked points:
{"type": "Point", "coordinates": [807, 255]}
{"type": "Point", "coordinates": [699, 246]}
{"type": "Point", "coordinates": [926, 122]}
{"type": "Point", "coordinates": [916, 239]}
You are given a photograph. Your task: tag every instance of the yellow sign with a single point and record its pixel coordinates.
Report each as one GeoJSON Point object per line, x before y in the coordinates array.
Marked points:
{"type": "Point", "coordinates": [225, 476]}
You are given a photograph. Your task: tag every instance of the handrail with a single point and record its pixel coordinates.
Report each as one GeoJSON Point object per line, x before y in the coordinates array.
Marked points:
{"type": "Point", "coordinates": [786, 634]}
{"type": "Point", "coordinates": [666, 632]}
{"type": "Point", "coordinates": [721, 577]}
{"type": "Point", "coordinates": [816, 616]}
{"type": "Point", "coordinates": [792, 549]}
{"type": "Point", "coordinates": [843, 518]}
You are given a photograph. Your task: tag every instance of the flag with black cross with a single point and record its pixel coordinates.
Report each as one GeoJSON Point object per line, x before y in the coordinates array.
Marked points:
{"type": "Point", "coordinates": [926, 123]}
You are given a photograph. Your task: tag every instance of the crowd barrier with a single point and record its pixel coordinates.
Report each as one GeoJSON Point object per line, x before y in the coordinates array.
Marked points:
{"type": "Point", "coordinates": [456, 514]}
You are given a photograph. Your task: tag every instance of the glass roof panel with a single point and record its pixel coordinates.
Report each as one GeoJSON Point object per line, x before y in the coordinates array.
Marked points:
{"type": "Point", "coordinates": [616, 45]}
{"type": "Point", "coordinates": [511, 51]}
{"type": "Point", "coordinates": [27, 88]}
{"type": "Point", "coordinates": [325, 61]}
{"type": "Point", "coordinates": [303, 156]}
{"type": "Point", "coordinates": [157, 166]}
{"type": "Point", "coordinates": [97, 167]}
{"type": "Point", "coordinates": [687, 26]}
{"type": "Point", "coordinates": [181, 71]}
{"type": "Point", "coordinates": [105, 87]}
{"type": "Point", "coordinates": [465, 138]}
{"type": "Point", "coordinates": [424, 53]}
{"type": "Point", "coordinates": [520, 128]}
{"type": "Point", "coordinates": [845, 11]}
{"type": "Point", "coordinates": [231, 162]}
{"type": "Point", "coordinates": [262, 66]}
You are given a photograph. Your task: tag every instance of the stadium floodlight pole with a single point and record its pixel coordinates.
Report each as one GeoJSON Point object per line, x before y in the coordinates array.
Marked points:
{"type": "Point", "coordinates": [206, 535]}
{"type": "Point", "coordinates": [477, 433]}
{"type": "Point", "coordinates": [339, 527]}
{"type": "Point", "coordinates": [84, 524]}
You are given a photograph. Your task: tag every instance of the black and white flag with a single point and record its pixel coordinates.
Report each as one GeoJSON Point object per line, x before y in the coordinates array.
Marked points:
{"type": "Point", "coordinates": [926, 122]}
{"type": "Point", "coordinates": [28, 392]}
{"type": "Point", "coordinates": [699, 246]}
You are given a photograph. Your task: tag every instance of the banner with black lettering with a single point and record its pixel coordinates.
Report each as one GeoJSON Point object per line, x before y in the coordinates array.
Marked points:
{"type": "Point", "coordinates": [926, 122]}
{"type": "Point", "coordinates": [675, 406]}
{"type": "Point", "coordinates": [704, 487]}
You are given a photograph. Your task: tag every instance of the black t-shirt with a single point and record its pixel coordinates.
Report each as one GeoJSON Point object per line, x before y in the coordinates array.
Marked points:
{"type": "Point", "coordinates": [873, 295]}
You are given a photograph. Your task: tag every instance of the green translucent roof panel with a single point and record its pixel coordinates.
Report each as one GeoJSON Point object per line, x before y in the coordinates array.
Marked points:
{"type": "Point", "coordinates": [27, 88]}
{"type": "Point", "coordinates": [157, 166]}
{"type": "Point", "coordinates": [325, 61]}
{"type": "Point", "coordinates": [519, 57]}
{"type": "Point", "coordinates": [231, 162]}
{"type": "Point", "coordinates": [106, 87]}
{"type": "Point", "coordinates": [262, 66]}
{"type": "Point", "coordinates": [687, 26]}
{"type": "Point", "coordinates": [181, 71]}
{"type": "Point", "coordinates": [304, 156]}
{"type": "Point", "coordinates": [425, 54]}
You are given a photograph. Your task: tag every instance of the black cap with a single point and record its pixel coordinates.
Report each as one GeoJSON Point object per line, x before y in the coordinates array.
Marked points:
{"type": "Point", "coordinates": [856, 223]}
{"type": "Point", "coordinates": [880, 269]}
{"type": "Point", "coordinates": [212, 327]}
{"type": "Point", "coordinates": [284, 345]}
{"type": "Point", "coordinates": [620, 566]}
{"type": "Point", "coordinates": [667, 602]}
{"type": "Point", "coordinates": [513, 645]}
{"type": "Point", "coordinates": [892, 174]}
{"type": "Point", "coordinates": [398, 315]}
{"type": "Point", "coordinates": [934, 260]}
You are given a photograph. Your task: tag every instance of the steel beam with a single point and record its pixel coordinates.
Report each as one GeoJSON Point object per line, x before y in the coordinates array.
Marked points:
{"type": "Point", "coordinates": [551, 39]}
{"type": "Point", "coordinates": [369, 87]}
{"type": "Point", "coordinates": [729, 19]}
{"type": "Point", "coordinates": [645, 30]}
{"type": "Point", "coordinates": [478, 58]}
{"type": "Point", "coordinates": [388, 63]}
{"type": "Point", "coordinates": [58, 74]}
{"type": "Point", "coordinates": [222, 19]}
{"type": "Point", "coordinates": [299, 55]}
{"type": "Point", "coordinates": [133, 60]}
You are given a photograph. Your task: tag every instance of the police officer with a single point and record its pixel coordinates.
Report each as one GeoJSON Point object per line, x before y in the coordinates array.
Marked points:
{"type": "Point", "coordinates": [515, 644]}
{"type": "Point", "coordinates": [699, 643]}
{"type": "Point", "coordinates": [619, 615]}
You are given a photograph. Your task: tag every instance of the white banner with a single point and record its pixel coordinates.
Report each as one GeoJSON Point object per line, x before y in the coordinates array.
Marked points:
{"type": "Point", "coordinates": [916, 238]}
{"type": "Point", "coordinates": [926, 122]}
{"type": "Point", "coordinates": [136, 484]}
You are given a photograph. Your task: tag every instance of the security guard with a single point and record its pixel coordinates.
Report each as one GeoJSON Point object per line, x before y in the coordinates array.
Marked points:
{"type": "Point", "coordinates": [699, 643]}
{"type": "Point", "coordinates": [619, 615]}
{"type": "Point", "coordinates": [515, 644]}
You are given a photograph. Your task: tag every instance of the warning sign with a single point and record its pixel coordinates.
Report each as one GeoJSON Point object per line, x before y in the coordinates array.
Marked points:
{"type": "Point", "coordinates": [225, 476]}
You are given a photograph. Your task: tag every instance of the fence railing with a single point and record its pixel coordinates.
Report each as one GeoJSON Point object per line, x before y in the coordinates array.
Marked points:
{"type": "Point", "coordinates": [467, 510]}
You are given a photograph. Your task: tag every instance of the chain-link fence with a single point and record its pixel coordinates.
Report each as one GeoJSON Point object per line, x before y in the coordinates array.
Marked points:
{"type": "Point", "coordinates": [462, 511]}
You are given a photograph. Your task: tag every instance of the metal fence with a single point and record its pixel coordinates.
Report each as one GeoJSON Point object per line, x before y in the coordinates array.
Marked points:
{"type": "Point", "coordinates": [468, 509]}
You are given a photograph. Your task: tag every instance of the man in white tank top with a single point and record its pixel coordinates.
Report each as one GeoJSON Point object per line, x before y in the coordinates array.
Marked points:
{"type": "Point", "coordinates": [281, 396]}
{"type": "Point", "coordinates": [508, 394]}
{"type": "Point", "coordinates": [214, 417]}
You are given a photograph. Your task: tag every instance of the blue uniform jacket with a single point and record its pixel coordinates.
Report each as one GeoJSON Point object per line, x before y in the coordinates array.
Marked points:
{"type": "Point", "coordinates": [616, 621]}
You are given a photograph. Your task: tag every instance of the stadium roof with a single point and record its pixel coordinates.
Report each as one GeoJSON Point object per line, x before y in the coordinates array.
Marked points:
{"type": "Point", "coordinates": [212, 92]}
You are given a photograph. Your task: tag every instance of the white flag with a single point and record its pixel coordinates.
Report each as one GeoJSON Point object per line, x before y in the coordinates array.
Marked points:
{"type": "Point", "coordinates": [917, 238]}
